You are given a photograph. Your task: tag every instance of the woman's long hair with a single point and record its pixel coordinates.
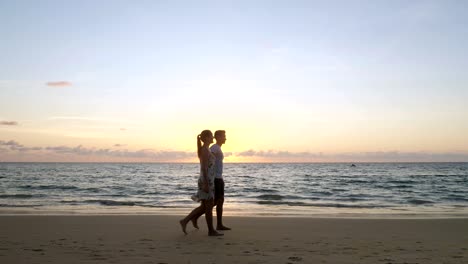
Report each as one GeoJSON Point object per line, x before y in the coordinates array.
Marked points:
{"type": "Point", "coordinates": [203, 135]}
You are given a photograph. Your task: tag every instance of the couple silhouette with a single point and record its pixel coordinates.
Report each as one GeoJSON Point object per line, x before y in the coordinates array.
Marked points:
{"type": "Point", "coordinates": [210, 183]}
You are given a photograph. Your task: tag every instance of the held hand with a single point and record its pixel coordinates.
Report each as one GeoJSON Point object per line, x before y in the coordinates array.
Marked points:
{"type": "Point", "coordinates": [206, 187]}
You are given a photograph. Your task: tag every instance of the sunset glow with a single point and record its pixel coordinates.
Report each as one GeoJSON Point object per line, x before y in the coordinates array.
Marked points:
{"type": "Point", "coordinates": [121, 81]}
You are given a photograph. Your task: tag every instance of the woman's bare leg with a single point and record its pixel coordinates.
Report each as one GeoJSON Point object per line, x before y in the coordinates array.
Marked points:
{"type": "Point", "coordinates": [195, 212]}
{"type": "Point", "coordinates": [195, 219]}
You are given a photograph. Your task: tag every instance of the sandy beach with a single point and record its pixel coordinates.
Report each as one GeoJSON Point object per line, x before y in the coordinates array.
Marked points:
{"type": "Point", "coordinates": [158, 239]}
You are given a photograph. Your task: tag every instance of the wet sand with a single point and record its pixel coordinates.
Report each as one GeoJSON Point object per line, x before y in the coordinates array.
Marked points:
{"type": "Point", "coordinates": [159, 239]}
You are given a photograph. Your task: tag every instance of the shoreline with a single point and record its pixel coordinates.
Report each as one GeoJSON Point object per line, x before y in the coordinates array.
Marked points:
{"type": "Point", "coordinates": [159, 239]}
{"type": "Point", "coordinates": [124, 211]}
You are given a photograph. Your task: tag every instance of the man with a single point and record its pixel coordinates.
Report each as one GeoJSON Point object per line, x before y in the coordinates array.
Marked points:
{"type": "Point", "coordinates": [220, 136]}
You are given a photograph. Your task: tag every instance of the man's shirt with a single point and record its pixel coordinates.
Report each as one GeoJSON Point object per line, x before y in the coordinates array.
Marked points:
{"type": "Point", "coordinates": [218, 153]}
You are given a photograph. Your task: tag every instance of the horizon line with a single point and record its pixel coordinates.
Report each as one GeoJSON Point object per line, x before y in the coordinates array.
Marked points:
{"type": "Point", "coordinates": [230, 162]}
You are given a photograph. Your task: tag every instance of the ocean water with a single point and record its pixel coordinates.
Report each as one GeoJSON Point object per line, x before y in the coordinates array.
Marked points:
{"type": "Point", "coordinates": [312, 189]}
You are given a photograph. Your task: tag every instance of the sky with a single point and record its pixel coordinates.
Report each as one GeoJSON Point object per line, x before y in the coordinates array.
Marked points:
{"type": "Point", "coordinates": [289, 81]}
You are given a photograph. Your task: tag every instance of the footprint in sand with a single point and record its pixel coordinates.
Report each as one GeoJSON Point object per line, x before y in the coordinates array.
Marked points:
{"type": "Point", "coordinates": [295, 258]}
{"type": "Point", "coordinates": [349, 248]}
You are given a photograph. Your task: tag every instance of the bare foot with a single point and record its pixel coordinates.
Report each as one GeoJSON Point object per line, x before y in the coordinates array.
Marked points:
{"type": "Point", "coordinates": [195, 224]}
{"type": "Point", "coordinates": [222, 228]}
{"type": "Point", "coordinates": [214, 233]}
{"type": "Point", "coordinates": [183, 225]}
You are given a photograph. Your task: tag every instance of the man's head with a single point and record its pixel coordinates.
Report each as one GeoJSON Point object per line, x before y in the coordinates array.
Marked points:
{"type": "Point", "coordinates": [220, 136]}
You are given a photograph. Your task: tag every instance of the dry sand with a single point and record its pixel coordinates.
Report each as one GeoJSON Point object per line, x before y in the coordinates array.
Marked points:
{"type": "Point", "coordinates": [158, 239]}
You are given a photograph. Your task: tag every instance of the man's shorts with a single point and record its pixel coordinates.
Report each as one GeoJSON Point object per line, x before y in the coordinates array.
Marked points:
{"type": "Point", "coordinates": [219, 188]}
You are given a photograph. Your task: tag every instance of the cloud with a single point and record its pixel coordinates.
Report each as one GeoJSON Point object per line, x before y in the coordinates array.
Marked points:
{"type": "Point", "coordinates": [10, 143]}
{"type": "Point", "coordinates": [93, 119]}
{"type": "Point", "coordinates": [377, 156]}
{"type": "Point", "coordinates": [142, 153]}
{"type": "Point", "coordinates": [8, 123]}
{"type": "Point", "coordinates": [278, 154]}
{"type": "Point", "coordinates": [80, 118]}
{"type": "Point", "coordinates": [248, 153]}
{"type": "Point", "coordinates": [80, 153]}
{"type": "Point", "coordinates": [59, 84]}
{"type": "Point", "coordinates": [69, 150]}
{"type": "Point", "coordinates": [15, 146]}
{"type": "Point", "coordinates": [26, 149]}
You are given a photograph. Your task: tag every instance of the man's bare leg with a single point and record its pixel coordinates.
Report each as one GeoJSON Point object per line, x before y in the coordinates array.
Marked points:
{"type": "Point", "coordinates": [219, 215]}
{"type": "Point", "coordinates": [209, 217]}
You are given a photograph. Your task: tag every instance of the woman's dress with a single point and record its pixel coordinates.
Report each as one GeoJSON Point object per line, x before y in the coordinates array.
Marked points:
{"type": "Point", "coordinates": [202, 195]}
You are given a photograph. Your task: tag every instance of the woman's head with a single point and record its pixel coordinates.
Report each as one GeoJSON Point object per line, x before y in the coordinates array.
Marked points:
{"type": "Point", "coordinates": [206, 137]}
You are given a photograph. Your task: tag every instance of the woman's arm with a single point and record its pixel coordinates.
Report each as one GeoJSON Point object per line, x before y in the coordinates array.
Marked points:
{"type": "Point", "coordinates": [204, 168]}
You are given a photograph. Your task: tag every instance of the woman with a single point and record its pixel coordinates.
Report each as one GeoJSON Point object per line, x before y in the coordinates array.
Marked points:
{"type": "Point", "coordinates": [205, 192]}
